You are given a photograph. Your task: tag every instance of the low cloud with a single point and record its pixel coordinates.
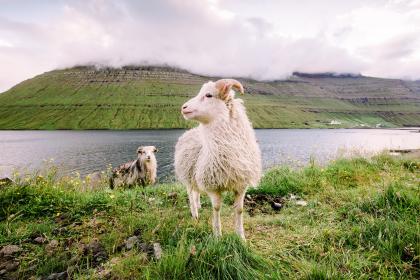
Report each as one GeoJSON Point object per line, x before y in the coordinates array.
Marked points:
{"type": "Point", "coordinates": [207, 38]}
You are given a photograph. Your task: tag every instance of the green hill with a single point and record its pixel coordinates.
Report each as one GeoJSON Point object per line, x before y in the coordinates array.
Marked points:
{"type": "Point", "coordinates": [150, 97]}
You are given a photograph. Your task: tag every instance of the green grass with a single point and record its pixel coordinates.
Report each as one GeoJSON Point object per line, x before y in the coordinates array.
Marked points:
{"type": "Point", "coordinates": [81, 98]}
{"type": "Point", "coordinates": [361, 222]}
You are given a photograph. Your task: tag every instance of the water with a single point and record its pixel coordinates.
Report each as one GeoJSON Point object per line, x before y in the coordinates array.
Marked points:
{"type": "Point", "coordinates": [89, 151]}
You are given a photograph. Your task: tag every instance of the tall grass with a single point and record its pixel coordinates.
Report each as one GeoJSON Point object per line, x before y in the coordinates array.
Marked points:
{"type": "Point", "coordinates": [361, 222]}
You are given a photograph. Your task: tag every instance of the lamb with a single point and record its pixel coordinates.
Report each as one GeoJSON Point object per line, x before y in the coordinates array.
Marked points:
{"type": "Point", "coordinates": [221, 154]}
{"type": "Point", "coordinates": [141, 171]}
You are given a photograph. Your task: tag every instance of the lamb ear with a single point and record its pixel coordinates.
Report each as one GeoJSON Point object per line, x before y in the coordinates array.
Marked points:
{"type": "Point", "coordinates": [224, 86]}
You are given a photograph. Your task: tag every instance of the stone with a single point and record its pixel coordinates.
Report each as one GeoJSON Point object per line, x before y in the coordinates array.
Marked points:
{"type": "Point", "coordinates": [131, 242]}
{"type": "Point", "coordinates": [293, 197]}
{"type": "Point", "coordinates": [301, 202]}
{"type": "Point", "coordinates": [9, 250]}
{"type": "Point", "coordinates": [40, 240]}
{"type": "Point", "coordinates": [52, 246]}
{"type": "Point", "coordinates": [276, 206]}
{"type": "Point", "coordinates": [157, 251]}
{"type": "Point", "coordinates": [58, 276]}
{"type": "Point", "coordinates": [12, 266]}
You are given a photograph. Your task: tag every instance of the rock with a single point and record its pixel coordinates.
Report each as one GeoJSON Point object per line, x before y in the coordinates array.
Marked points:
{"type": "Point", "coordinates": [157, 251]}
{"type": "Point", "coordinates": [10, 250]}
{"type": "Point", "coordinates": [152, 250]}
{"type": "Point", "coordinates": [132, 242]}
{"type": "Point", "coordinates": [301, 202]}
{"type": "Point", "coordinates": [292, 197]}
{"type": "Point", "coordinates": [172, 195]}
{"type": "Point", "coordinates": [97, 251]}
{"type": "Point", "coordinates": [276, 206]}
{"type": "Point", "coordinates": [57, 276]}
{"type": "Point", "coordinates": [3, 271]}
{"type": "Point", "coordinates": [12, 266]}
{"type": "Point", "coordinates": [52, 245]}
{"type": "Point", "coordinates": [40, 240]}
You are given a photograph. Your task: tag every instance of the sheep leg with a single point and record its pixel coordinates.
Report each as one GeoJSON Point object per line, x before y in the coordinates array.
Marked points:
{"type": "Point", "coordinates": [239, 207]}
{"type": "Point", "coordinates": [216, 201]}
{"type": "Point", "coordinates": [192, 201]}
{"type": "Point", "coordinates": [197, 200]}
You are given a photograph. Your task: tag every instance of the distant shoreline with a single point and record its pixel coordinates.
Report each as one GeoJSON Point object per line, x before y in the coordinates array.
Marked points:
{"type": "Point", "coordinates": [186, 128]}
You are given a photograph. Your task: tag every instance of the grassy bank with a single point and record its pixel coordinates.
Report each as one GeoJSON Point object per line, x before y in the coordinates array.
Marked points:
{"type": "Point", "coordinates": [353, 219]}
{"type": "Point", "coordinates": [151, 97]}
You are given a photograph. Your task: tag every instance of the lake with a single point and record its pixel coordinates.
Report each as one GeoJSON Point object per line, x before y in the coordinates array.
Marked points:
{"type": "Point", "coordinates": [89, 151]}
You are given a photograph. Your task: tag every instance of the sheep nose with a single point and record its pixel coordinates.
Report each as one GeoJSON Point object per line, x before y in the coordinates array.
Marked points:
{"type": "Point", "coordinates": [184, 106]}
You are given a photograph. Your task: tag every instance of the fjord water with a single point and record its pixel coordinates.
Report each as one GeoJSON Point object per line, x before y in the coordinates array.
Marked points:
{"type": "Point", "coordinates": [89, 151]}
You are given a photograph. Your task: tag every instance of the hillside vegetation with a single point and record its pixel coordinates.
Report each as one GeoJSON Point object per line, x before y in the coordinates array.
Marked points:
{"type": "Point", "coordinates": [150, 97]}
{"type": "Point", "coordinates": [353, 219]}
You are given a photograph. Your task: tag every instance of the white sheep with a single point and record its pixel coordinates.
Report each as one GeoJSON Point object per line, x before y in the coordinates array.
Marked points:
{"type": "Point", "coordinates": [221, 154]}
{"type": "Point", "coordinates": [141, 171]}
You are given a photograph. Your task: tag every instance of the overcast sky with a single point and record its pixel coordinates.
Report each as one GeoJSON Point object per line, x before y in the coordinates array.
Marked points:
{"type": "Point", "coordinates": [263, 39]}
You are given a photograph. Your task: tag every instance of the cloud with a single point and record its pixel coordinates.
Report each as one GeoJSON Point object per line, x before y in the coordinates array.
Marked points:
{"type": "Point", "coordinates": [209, 37]}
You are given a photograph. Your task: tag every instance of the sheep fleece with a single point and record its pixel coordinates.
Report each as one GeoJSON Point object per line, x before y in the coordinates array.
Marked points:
{"type": "Point", "coordinates": [222, 157]}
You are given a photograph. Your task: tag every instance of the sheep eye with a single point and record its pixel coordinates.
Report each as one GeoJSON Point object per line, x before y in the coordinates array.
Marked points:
{"type": "Point", "coordinates": [209, 95]}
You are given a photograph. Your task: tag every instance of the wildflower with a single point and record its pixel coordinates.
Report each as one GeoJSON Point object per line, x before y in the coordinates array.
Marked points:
{"type": "Point", "coordinates": [112, 196]}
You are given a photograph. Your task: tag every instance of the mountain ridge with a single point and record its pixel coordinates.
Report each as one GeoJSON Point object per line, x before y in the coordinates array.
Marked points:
{"type": "Point", "coordinates": [140, 96]}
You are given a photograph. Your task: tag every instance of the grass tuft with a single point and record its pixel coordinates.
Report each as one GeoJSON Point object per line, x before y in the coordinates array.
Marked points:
{"type": "Point", "coordinates": [212, 258]}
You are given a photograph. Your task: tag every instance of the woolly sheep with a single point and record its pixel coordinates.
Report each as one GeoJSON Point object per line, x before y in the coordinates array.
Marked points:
{"type": "Point", "coordinates": [221, 154]}
{"type": "Point", "coordinates": [141, 171]}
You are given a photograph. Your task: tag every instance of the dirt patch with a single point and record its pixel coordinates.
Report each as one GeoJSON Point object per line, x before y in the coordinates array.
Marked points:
{"type": "Point", "coordinates": [8, 261]}
{"type": "Point", "coordinates": [263, 203]}
{"type": "Point", "coordinates": [96, 252]}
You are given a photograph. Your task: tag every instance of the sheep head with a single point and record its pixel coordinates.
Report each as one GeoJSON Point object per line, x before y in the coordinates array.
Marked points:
{"type": "Point", "coordinates": [212, 101]}
{"type": "Point", "coordinates": [146, 153]}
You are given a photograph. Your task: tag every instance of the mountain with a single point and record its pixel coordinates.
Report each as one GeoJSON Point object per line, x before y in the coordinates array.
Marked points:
{"type": "Point", "coordinates": [133, 97]}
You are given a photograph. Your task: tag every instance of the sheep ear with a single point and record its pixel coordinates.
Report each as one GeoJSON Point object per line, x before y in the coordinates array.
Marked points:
{"type": "Point", "coordinates": [224, 86]}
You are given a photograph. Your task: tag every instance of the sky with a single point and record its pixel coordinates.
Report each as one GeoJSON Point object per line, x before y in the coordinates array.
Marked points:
{"type": "Point", "coordinates": [261, 39]}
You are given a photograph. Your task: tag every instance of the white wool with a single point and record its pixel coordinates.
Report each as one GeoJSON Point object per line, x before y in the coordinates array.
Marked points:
{"type": "Point", "coordinates": [219, 155]}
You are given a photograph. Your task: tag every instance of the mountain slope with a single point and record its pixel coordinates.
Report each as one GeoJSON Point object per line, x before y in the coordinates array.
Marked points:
{"type": "Point", "coordinates": [150, 97]}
